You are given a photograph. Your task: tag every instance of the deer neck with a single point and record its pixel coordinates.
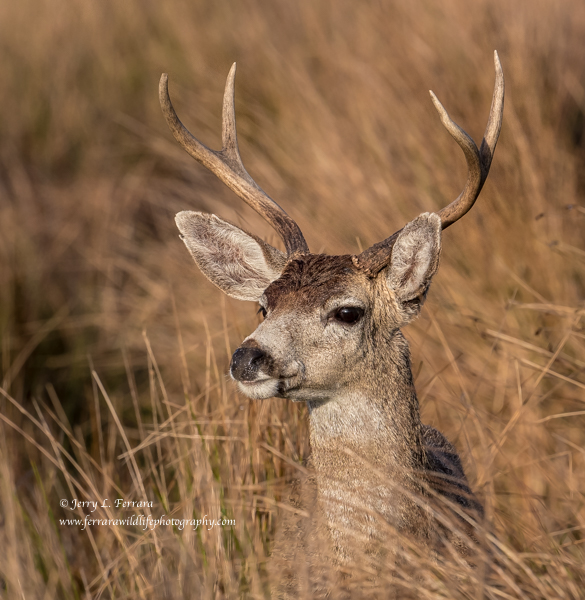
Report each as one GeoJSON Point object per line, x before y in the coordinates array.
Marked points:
{"type": "Point", "coordinates": [376, 417]}
{"type": "Point", "coordinates": [366, 440]}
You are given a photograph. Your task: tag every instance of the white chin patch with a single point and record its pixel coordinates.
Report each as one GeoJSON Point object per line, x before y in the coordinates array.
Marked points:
{"type": "Point", "coordinates": [259, 390]}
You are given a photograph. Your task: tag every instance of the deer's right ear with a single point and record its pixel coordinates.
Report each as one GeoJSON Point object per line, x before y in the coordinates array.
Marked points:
{"type": "Point", "coordinates": [238, 263]}
{"type": "Point", "coordinates": [414, 261]}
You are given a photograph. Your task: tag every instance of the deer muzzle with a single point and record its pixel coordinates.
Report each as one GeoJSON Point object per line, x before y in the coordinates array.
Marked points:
{"type": "Point", "coordinates": [250, 364]}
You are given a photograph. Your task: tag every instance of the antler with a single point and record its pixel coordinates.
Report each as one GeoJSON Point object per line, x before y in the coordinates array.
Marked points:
{"type": "Point", "coordinates": [479, 161]}
{"type": "Point", "coordinates": [227, 165]}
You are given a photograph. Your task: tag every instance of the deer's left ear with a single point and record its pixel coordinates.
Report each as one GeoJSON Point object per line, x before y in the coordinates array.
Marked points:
{"type": "Point", "coordinates": [415, 259]}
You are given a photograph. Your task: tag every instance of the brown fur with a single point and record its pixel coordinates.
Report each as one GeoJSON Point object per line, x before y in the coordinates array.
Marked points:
{"type": "Point", "coordinates": [310, 279]}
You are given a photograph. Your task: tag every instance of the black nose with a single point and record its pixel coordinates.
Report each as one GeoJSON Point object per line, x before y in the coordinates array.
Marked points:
{"type": "Point", "coordinates": [247, 362]}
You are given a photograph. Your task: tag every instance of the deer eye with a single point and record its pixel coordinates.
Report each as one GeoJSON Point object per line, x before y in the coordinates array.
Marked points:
{"type": "Point", "coordinates": [262, 311]}
{"type": "Point", "coordinates": [348, 314]}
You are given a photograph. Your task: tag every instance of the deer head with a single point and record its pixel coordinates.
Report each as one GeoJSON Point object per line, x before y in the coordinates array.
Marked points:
{"type": "Point", "coordinates": [325, 316]}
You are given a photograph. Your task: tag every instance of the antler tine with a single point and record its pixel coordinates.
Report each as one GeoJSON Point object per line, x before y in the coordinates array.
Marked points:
{"type": "Point", "coordinates": [494, 124]}
{"type": "Point", "coordinates": [479, 161]}
{"type": "Point", "coordinates": [227, 165]}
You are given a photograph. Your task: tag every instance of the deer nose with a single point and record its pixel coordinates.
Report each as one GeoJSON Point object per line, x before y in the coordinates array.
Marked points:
{"type": "Point", "coordinates": [247, 362]}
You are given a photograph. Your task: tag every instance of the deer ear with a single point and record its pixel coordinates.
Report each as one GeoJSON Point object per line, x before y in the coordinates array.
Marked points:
{"type": "Point", "coordinates": [238, 263]}
{"type": "Point", "coordinates": [415, 259]}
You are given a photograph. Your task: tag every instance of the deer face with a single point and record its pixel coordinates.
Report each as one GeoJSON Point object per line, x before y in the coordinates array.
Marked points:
{"type": "Point", "coordinates": [324, 316]}
{"type": "Point", "coordinates": [316, 317]}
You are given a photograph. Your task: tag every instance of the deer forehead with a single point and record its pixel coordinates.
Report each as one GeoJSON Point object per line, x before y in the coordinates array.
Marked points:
{"type": "Point", "coordinates": [309, 280]}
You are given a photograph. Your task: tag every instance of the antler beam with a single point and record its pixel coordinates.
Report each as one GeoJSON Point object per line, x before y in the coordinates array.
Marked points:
{"type": "Point", "coordinates": [479, 161]}
{"type": "Point", "coordinates": [227, 165]}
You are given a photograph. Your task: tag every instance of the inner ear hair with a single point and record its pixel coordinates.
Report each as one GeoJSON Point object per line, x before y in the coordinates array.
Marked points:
{"type": "Point", "coordinates": [415, 259]}
{"type": "Point", "coordinates": [237, 262]}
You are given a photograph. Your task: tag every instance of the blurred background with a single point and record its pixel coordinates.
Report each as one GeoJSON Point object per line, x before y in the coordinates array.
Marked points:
{"type": "Point", "coordinates": [111, 339]}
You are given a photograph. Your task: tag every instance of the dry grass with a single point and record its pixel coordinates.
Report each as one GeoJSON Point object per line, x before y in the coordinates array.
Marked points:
{"type": "Point", "coordinates": [114, 345]}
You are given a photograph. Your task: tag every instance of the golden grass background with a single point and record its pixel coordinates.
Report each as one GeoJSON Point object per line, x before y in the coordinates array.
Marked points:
{"type": "Point", "coordinates": [110, 337]}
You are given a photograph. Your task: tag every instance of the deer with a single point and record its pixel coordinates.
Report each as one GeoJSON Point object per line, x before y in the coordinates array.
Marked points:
{"type": "Point", "coordinates": [331, 337]}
